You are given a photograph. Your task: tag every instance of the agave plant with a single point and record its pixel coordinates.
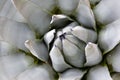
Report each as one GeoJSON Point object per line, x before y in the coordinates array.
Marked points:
{"type": "Point", "coordinates": [59, 40]}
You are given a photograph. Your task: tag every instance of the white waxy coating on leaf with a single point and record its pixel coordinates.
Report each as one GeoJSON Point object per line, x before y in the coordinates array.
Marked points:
{"type": "Point", "coordinates": [80, 44]}
{"type": "Point", "coordinates": [84, 34]}
{"type": "Point", "coordinates": [49, 36]}
{"type": "Point", "coordinates": [16, 33]}
{"type": "Point", "coordinates": [107, 11]}
{"type": "Point", "coordinates": [12, 62]}
{"type": "Point", "coordinates": [68, 6]}
{"type": "Point", "coordinates": [93, 54]}
{"type": "Point", "coordinates": [57, 17]}
{"type": "Point", "coordinates": [38, 49]}
{"type": "Point", "coordinates": [6, 49]}
{"type": "Point", "coordinates": [109, 36]}
{"type": "Point", "coordinates": [58, 61]}
{"type": "Point", "coordinates": [99, 73]}
{"type": "Point", "coordinates": [73, 54]}
{"type": "Point", "coordinates": [72, 74]}
{"type": "Point", "coordinates": [42, 4]}
{"type": "Point", "coordinates": [42, 72]}
{"type": "Point", "coordinates": [58, 43]}
{"type": "Point", "coordinates": [85, 15]}
{"type": "Point", "coordinates": [8, 10]}
{"type": "Point", "coordinates": [37, 17]}
{"type": "Point", "coordinates": [113, 59]}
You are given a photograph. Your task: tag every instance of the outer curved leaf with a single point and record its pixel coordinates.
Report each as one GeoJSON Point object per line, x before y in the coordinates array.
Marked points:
{"type": "Point", "coordinates": [99, 73]}
{"type": "Point", "coordinates": [84, 34]}
{"type": "Point", "coordinates": [36, 12]}
{"type": "Point", "coordinates": [104, 11]}
{"type": "Point", "coordinates": [38, 49]}
{"type": "Point", "coordinates": [68, 6]}
{"type": "Point", "coordinates": [42, 72]}
{"type": "Point", "coordinates": [8, 10]}
{"type": "Point", "coordinates": [16, 33]}
{"type": "Point", "coordinates": [72, 74]}
{"type": "Point", "coordinates": [49, 36]}
{"type": "Point", "coordinates": [85, 15]}
{"type": "Point", "coordinates": [93, 54]}
{"type": "Point", "coordinates": [12, 63]}
{"type": "Point", "coordinates": [109, 36]}
{"type": "Point", "coordinates": [113, 59]}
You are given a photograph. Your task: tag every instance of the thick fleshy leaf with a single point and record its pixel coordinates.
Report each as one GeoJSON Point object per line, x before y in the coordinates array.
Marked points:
{"type": "Point", "coordinates": [16, 33]}
{"type": "Point", "coordinates": [109, 36]}
{"type": "Point", "coordinates": [38, 49]}
{"type": "Point", "coordinates": [8, 10]}
{"type": "Point", "coordinates": [42, 4]}
{"type": "Point", "coordinates": [85, 15]}
{"type": "Point", "coordinates": [116, 76]}
{"type": "Point", "coordinates": [84, 34]}
{"type": "Point", "coordinates": [73, 54]}
{"type": "Point", "coordinates": [104, 11]}
{"type": "Point", "coordinates": [60, 21]}
{"type": "Point", "coordinates": [93, 54]}
{"type": "Point", "coordinates": [80, 44]}
{"type": "Point", "coordinates": [42, 72]}
{"type": "Point", "coordinates": [12, 63]}
{"type": "Point", "coordinates": [58, 61]}
{"type": "Point", "coordinates": [36, 12]}
{"type": "Point", "coordinates": [49, 36]}
{"type": "Point", "coordinates": [113, 59]}
{"type": "Point", "coordinates": [99, 73]}
{"type": "Point", "coordinates": [69, 27]}
{"type": "Point", "coordinates": [68, 6]}
{"type": "Point", "coordinates": [6, 49]}
{"type": "Point", "coordinates": [58, 43]}
{"type": "Point", "coordinates": [72, 74]}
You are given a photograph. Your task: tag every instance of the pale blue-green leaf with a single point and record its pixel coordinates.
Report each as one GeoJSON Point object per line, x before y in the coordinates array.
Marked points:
{"type": "Point", "coordinates": [58, 43]}
{"type": "Point", "coordinates": [48, 37]}
{"type": "Point", "coordinates": [8, 10]}
{"type": "Point", "coordinates": [36, 12]}
{"type": "Point", "coordinates": [93, 54]}
{"type": "Point", "coordinates": [107, 11]}
{"type": "Point", "coordinates": [99, 73]}
{"type": "Point", "coordinates": [73, 54]}
{"type": "Point", "coordinates": [6, 49]}
{"type": "Point", "coordinates": [68, 6]}
{"type": "Point", "coordinates": [38, 49]}
{"type": "Point", "coordinates": [84, 34]}
{"type": "Point", "coordinates": [80, 44]}
{"type": "Point", "coordinates": [113, 59]}
{"type": "Point", "coordinates": [58, 61]}
{"type": "Point", "coordinates": [60, 21]}
{"type": "Point", "coordinates": [16, 33]}
{"type": "Point", "coordinates": [41, 72]}
{"type": "Point", "coordinates": [12, 62]}
{"type": "Point", "coordinates": [69, 27]}
{"type": "Point", "coordinates": [85, 15]}
{"type": "Point", "coordinates": [109, 36]}
{"type": "Point", "coordinates": [72, 74]}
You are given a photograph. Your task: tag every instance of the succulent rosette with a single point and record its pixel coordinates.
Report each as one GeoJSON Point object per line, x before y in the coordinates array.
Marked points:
{"type": "Point", "coordinates": [59, 40]}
